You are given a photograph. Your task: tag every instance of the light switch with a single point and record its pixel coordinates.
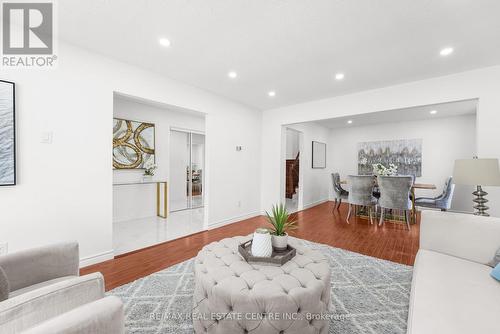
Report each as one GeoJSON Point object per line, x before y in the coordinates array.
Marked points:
{"type": "Point", "coordinates": [46, 137]}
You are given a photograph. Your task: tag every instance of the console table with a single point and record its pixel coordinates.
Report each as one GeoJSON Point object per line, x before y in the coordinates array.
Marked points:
{"type": "Point", "coordinates": [158, 194]}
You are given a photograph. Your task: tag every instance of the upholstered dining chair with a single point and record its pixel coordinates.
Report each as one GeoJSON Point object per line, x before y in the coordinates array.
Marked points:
{"type": "Point", "coordinates": [442, 201]}
{"type": "Point", "coordinates": [339, 193]}
{"type": "Point", "coordinates": [361, 193]}
{"type": "Point", "coordinates": [395, 195]}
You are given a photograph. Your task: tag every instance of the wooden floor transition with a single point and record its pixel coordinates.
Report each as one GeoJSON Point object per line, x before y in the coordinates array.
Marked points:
{"type": "Point", "coordinates": [391, 242]}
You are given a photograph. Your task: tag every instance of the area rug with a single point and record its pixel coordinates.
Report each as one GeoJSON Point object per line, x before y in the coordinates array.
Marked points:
{"type": "Point", "coordinates": [369, 295]}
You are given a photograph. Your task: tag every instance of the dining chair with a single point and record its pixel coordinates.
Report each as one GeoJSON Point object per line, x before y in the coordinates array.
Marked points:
{"type": "Point", "coordinates": [395, 195]}
{"type": "Point", "coordinates": [442, 201]}
{"type": "Point", "coordinates": [339, 193]}
{"type": "Point", "coordinates": [361, 193]}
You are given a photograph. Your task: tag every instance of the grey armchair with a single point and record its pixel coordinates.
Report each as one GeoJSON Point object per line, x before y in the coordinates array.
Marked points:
{"type": "Point", "coordinates": [442, 201]}
{"type": "Point", "coordinates": [41, 292]}
{"type": "Point", "coordinates": [395, 195]}
{"type": "Point", "coordinates": [361, 193]}
{"type": "Point", "coordinates": [339, 193]}
{"type": "Point", "coordinates": [38, 267]}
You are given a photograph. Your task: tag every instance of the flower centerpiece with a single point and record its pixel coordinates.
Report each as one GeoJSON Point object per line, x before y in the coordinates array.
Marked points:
{"type": "Point", "coordinates": [281, 222]}
{"type": "Point", "coordinates": [379, 169]}
{"type": "Point", "coordinates": [149, 170]}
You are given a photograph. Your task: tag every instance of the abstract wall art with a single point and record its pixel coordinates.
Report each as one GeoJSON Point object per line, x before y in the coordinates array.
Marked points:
{"type": "Point", "coordinates": [133, 144]}
{"type": "Point", "coordinates": [406, 154]}
{"type": "Point", "coordinates": [7, 134]}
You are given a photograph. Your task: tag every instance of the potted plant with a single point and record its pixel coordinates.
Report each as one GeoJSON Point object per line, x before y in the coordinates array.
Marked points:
{"type": "Point", "coordinates": [281, 223]}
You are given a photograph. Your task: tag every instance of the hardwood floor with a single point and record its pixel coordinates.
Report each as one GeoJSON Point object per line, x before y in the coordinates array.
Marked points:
{"type": "Point", "coordinates": [392, 241]}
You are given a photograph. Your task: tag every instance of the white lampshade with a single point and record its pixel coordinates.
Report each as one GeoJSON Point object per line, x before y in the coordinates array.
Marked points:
{"type": "Point", "coordinates": [483, 172]}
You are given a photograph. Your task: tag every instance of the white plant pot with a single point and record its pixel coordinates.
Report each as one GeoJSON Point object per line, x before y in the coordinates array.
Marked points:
{"type": "Point", "coordinates": [280, 242]}
{"type": "Point", "coordinates": [261, 243]}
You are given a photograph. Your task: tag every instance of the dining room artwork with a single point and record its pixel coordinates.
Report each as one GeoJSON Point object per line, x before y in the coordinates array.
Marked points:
{"type": "Point", "coordinates": [406, 154]}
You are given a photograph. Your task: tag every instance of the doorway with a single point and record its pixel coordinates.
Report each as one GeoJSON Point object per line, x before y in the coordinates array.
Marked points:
{"type": "Point", "coordinates": [293, 169]}
{"type": "Point", "coordinates": [187, 160]}
{"type": "Point", "coordinates": [136, 223]}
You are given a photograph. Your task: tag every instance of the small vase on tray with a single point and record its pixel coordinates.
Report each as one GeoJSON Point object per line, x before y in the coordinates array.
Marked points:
{"type": "Point", "coordinates": [261, 243]}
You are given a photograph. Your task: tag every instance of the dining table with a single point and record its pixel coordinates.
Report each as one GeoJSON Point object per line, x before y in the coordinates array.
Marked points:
{"type": "Point", "coordinates": [425, 186]}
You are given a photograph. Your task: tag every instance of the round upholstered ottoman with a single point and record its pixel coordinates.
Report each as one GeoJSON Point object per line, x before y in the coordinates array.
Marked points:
{"type": "Point", "coordinates": [233, 296]}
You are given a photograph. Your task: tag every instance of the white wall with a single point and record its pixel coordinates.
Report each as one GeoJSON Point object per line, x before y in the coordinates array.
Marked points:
{"type": "Point", "coordinates": [65, 189]}
{"type": "Point", "coordinates": [482, 84]}
{"type": "Point", "coordinates": [443, 141]}
{"type": "Point", "coordinates": [139, 201]}
{"type": "Point", "coordinates": [312, 180]}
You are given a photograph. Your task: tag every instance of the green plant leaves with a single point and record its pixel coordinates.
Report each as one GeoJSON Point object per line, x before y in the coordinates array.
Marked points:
{"type": "Point", "coordinates": [280, 220]}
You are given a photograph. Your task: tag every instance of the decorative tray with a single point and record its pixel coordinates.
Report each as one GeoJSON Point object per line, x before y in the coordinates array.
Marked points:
{"type": "Point", "coordinates": [278, 257]}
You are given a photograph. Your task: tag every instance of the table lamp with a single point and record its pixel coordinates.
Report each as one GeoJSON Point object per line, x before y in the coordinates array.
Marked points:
{"type": "Point", "coordinates": [477, 172]}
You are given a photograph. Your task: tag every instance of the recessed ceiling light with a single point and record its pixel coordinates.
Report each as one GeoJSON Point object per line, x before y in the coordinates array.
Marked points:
{"type": "Point", "coordinates": [232, 74]}
{"type": "Point", "coordinates": [339, 76]}
{"type": "Point", "coordinates": [272, 93]}
{"type": "Point", "coordinates": [349, 121]}
{"type": "Point", "coordinates": [446, 52]}
{"type": "Point", "coordinates": [433, 112]}
{"type": "Point", "coordinates": [164, 42]}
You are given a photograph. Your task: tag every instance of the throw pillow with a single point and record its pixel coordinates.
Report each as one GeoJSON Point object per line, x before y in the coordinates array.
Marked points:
{"type": "Point", "coordinates": [496, 259]}
{"type": "Point", "coordinates": [4, 285]}
{"type": "Point", "coordinates": [495, 273]}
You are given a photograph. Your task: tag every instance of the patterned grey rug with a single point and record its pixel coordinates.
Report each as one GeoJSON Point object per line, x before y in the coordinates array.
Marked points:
{"type": "Point", "coordinates": [369, 295]}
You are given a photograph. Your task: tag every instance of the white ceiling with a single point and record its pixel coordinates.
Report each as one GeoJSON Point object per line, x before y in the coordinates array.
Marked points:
{"type": "Point", "coordinates": [450, 109]}
{"type": "Point", "coordinates": [293, 47]}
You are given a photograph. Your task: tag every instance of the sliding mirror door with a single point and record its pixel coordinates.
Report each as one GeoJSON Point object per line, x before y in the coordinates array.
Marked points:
{"type": "Point", "coordinates": [179, 165]}
{"type": "Point", "coordinates": [187, 159]}
{"type": "Point", "coordinates": [197, 168]}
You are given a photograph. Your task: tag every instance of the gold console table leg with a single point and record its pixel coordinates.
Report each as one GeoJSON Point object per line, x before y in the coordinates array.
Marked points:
{"type": "Point", "coordinates": [158, 196]}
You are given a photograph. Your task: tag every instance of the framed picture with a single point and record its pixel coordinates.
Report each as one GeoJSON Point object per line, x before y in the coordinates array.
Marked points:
{"type": "Point", "coordinates": [406, 154]}
{"type": "Point", "coordinates": [133, 144]}
{"type": "Point", "coordinates": [318, 155]}
{"type": "Point", "coordinates": [7, 134]}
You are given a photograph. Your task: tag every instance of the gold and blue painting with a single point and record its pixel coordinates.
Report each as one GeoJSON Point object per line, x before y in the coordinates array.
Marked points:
{"type": "Point", "coordinates": [7, 134]}
{"type": "Point", "coordinates": [133, 144]}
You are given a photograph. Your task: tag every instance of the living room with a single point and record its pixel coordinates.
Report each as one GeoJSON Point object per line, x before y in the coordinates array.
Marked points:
{"type": "Point", "coordinates": [228, 64]}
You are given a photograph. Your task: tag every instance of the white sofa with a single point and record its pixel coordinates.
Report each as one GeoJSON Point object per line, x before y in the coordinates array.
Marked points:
{"type": "Point", "coordinates": [452, 290]}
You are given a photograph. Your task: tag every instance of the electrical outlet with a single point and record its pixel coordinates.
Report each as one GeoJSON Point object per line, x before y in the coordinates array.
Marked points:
{"type": "Point", "coordinates": [3, 248]}
{"type": "Point", "coordinates": [239, 204]}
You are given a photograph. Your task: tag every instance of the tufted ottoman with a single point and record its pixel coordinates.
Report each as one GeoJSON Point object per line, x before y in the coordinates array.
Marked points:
{"type": "Point", "coordinates": [232, 296]}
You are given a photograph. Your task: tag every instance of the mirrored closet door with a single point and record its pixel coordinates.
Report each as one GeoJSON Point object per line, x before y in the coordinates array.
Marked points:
{"type": "Point", "coordinates": [187, 160]}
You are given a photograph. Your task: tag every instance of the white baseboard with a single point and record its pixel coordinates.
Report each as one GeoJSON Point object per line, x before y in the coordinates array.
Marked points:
{"type": "Point", "coordinates": [310, 205]}
{"type": "Point", "coordinates": [421, 208]}
{"type": "Point", "coordinates": [89, 260]}
{"type": "Point", "coordinates": [233, 220]}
